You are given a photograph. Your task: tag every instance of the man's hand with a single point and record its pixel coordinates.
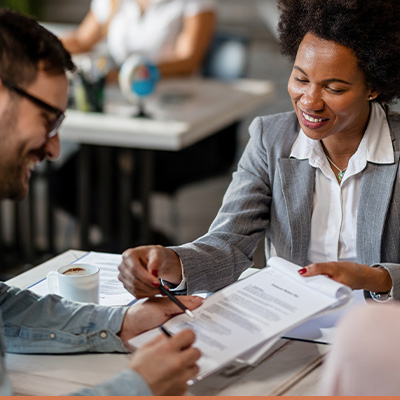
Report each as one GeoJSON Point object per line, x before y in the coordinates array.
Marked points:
{"type": "Point", "coordinates": [166, 364]}
{"type": "Point", "coordinates": [153, 312]}
{"type": "Point", "coordinates": [141, 267]}
{"type": "Point", "coordinates": [356, 276]}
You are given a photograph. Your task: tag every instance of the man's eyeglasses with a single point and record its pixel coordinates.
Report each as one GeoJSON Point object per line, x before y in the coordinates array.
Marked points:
{"type": "Point", "coordinates": [54, 127]}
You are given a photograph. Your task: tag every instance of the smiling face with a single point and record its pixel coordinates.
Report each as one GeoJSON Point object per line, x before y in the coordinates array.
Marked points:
{"type": "Point", "coordinates": [23, 131]}
{"type": "Point", "coordinates": [328, 90]}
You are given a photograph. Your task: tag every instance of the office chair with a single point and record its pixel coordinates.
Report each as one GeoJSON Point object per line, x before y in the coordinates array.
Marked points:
{"type": "Point", "coordinates": [226, 60]}
{"type": "Point", "coordinates": [227, 57]}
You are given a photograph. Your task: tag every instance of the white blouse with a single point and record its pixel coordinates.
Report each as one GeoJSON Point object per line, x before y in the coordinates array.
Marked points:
{"type": "Point", "coordinates": [334, 214]}
{"type": "Point", "coordinates": [153, 34]}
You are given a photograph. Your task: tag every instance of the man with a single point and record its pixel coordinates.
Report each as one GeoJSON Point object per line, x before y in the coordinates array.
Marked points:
{"type": "Point", "coordinates": [33, 97]}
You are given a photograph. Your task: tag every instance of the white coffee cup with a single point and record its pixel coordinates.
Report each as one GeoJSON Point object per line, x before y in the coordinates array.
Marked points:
{"type": "Point", "coordinates": [77, 282]}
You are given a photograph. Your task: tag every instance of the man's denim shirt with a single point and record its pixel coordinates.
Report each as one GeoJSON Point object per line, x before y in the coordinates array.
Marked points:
{"type": "Point", "coordinates": [33, 324]}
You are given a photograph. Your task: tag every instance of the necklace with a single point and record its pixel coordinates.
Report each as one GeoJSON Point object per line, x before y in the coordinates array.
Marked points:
{"type": "Point", "coordinates": [341, 171]}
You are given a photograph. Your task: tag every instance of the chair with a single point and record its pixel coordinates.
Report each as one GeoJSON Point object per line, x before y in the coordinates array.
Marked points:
{"type": "Point", "coordinates": [227, 57]}
{"type": "Point", "coordinates": [215, 155]}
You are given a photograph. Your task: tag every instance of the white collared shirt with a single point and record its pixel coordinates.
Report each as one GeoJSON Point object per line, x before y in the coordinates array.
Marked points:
{"type": "Point", "coordinates": [152, 35]}
{"type": "Point", "coordinates": [334, 214]}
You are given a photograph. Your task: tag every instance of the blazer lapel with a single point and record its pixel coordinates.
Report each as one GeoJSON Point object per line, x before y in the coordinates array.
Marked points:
{"type": "Point", "coordinates": [377, 183]}
{"type": "Point", "coordinates": [298, 179]}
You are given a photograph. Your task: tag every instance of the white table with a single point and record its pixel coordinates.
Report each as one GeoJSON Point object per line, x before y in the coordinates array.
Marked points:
{"type": "Point", "coordinates": [183, 111]}
{"type": "Point", "coordinates": [292, 367]}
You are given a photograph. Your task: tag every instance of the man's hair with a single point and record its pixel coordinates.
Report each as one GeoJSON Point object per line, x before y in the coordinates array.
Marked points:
{"type": "Point", "coordinates": [370, 28]}
{"type": "Point", "coordinates": [25, 46]}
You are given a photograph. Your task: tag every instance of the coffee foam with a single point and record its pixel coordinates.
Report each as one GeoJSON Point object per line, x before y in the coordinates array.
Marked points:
{"type": "Point", "coordinates": [76, 271]}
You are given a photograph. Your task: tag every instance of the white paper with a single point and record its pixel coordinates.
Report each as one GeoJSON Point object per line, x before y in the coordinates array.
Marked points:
{"type": "Point", "coordinates": [318, 282]}
{"type": "Point", "coordinates": [249, 313]}
{"type": "Point", "coordinates": [322, 329]}
{"type": "Point", "coordinates": [112, 292]}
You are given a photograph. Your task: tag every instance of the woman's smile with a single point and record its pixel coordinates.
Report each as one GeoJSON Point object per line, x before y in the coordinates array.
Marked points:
{"type": "Point", "coordinates": [312, 121]}
{"type": "Point", "coordinates": [328, 90]}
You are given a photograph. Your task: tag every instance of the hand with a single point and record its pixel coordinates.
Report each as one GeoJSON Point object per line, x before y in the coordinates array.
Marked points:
{"type": "Point", "coordinates": [166, 364]}
{"type": "Point", "coordinates": [141, 267]}
{"type": "Point", "coordinates": [153, 312]}
{"type": "Point", "coordinates": [356, 276]}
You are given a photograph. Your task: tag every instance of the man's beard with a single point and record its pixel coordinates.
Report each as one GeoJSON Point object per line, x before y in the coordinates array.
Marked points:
{"type": "Point", "coordinates": [11, 186]}
{"type": "Point", "coordinates": [11, 161]}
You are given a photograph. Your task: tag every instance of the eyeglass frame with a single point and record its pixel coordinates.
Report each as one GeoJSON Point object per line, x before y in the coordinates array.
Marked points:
{"type": "Point", "coordinates": [59, 113]}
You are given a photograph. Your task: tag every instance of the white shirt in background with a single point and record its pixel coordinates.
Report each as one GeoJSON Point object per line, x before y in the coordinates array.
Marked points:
{"type": "Point", "coordinates": [153, 34]}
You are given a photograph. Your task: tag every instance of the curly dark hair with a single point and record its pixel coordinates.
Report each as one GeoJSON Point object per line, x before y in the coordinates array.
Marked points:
{"type": "Point", "coordinates": [370, 28]}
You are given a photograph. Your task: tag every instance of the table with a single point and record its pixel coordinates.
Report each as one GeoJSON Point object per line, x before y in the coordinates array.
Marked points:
{"type": "Point", "coordinates": [183, 111]}
{"type": "Point", "coordinates": [291, 368]}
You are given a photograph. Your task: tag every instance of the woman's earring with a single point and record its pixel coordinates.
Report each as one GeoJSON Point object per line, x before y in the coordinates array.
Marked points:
{"type": "Point", "coordinates": [370, 97]}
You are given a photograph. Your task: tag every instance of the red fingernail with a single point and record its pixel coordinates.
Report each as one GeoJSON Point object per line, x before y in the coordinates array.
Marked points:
{"type": "Point", "coordinates": [302, 271]}
{"type": "Point", "coordinates": [156, 284]}
{"type": "Point", "coordinates": [154, 272]}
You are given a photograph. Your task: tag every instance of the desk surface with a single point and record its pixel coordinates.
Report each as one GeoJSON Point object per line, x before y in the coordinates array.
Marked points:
{"type": "Point", "coordinates": [183, 112]}
{"type": "Point", "coordinates": [290, 368]}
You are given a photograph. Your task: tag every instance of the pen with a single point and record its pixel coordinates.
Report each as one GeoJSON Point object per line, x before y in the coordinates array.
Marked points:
{"type": "Point", "coordinates": [303, 340]}
{"type": "Point", "coordinates": [167, 333]}
{"type": "Point", "coordinates": [165, 291]}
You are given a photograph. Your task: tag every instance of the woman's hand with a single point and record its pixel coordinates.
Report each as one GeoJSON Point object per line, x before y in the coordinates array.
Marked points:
{"type": "Point", "coordinates": [191, 45]}
{"type": "Point", "coordinates": [86, 36]}
{"type": "Point", "coordinates": [142, 266]}
{"type": "Point", "coordinates": [356, 276]}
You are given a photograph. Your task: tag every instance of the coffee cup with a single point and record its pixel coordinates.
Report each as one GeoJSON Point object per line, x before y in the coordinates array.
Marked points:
{"type": "Point", "coordinates": [77, 282]}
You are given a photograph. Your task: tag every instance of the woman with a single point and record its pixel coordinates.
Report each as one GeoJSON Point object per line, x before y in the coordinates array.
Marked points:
{"type": "Point", "coordinates": [320, 183]}
{"type": "Point", "coordinates": [174, 34]}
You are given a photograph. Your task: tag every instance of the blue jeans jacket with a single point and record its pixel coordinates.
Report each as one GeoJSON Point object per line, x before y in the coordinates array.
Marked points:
{"type": "Point", "coordinates": [33, 324]}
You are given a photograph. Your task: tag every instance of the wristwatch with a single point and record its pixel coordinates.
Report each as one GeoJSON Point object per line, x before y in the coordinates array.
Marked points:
{"type": "Point", "coordinates": [381, 297]}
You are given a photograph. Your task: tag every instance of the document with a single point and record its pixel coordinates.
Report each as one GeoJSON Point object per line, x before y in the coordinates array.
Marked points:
{"type": "Point", "coordinates": [245, 318]}
{"type": "Point", "coordinates": [322, 328]}
{"type": "Point", "coordinates": [111, 290]}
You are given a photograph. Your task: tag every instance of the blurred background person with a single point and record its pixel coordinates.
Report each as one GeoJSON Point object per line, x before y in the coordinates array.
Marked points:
{"type": "Point", "coordinates": [173, 34]}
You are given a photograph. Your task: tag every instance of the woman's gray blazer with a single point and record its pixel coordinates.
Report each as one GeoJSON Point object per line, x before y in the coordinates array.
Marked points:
{"type": "Point", "coordinates": [271, 196]}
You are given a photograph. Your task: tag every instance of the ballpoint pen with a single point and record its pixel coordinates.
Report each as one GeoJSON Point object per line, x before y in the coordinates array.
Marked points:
{"type": "Point", "coordinates": [164, 330]}
{"type": "Point", "coordinates": [165, 291]}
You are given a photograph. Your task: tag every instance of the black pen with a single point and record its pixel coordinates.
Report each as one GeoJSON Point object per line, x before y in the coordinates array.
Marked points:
{"type": "Point", "coordinates": [167, 333]}
{"type": "Point", "coordinates": [304, 340]}
{"type": "Point", "coordinates": [165, 291]}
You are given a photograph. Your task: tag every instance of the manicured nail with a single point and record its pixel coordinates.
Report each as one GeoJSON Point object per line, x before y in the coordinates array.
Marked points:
{"type": "Point", "coordinates": [154, 272]}
{"type": "Point", "coordinates": [302, 271]}
{"type": "Point", "coordinates": [156, 284]}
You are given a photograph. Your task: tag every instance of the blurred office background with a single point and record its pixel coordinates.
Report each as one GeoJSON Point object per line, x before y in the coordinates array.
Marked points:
{"type": "Point", "coordinates": [198, 203]}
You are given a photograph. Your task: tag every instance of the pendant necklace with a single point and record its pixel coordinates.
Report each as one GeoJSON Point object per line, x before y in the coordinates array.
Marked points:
{"type": "Point", "coordinates": [341, 171]}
